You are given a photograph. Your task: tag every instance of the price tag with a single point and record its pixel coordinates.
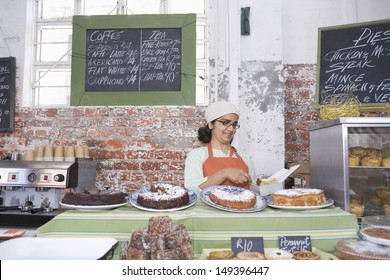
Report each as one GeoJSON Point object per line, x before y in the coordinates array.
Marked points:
{"type": "Point", "coordinates": [294, 243]}
{"type": "Point", "coordinates": [247, 244]}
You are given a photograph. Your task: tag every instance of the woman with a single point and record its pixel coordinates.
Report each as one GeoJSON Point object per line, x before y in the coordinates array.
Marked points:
{"type": "Point", "coordinates": [218, 163]}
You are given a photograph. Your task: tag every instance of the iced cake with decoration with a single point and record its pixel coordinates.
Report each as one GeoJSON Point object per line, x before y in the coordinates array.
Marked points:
{"type": "Point", "coordinates": [299, 197]}
{"type": "Point", "coordinates": [240, 199]}
{"type": "Point", "coordinates": [164, 196]}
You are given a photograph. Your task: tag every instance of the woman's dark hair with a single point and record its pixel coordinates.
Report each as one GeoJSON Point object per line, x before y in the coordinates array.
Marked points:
{"type": "Point", "coordinates": [204, 134]}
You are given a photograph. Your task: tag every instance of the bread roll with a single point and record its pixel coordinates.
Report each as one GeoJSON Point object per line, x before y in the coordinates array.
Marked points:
{"type": "Point", "coordinates": [370, 161]}
{"type": "Point", "coordinates": [250, 256]}
{"type": "Point", "coordinates": [358, 151]}
{"type": "Point", "coordinates": [220, 255]}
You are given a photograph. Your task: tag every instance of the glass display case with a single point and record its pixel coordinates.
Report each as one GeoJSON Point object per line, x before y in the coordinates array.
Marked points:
{"type": "Point", "coordinates": [350, 161]}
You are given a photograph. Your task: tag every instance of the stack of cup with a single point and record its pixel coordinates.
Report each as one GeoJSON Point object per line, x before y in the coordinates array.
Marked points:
{"type": "Point", "coordinates": [48, 153]}
{"type": "Point", "coordinates": [69, 153]}
{"type": "Point", "coordinates": [39, 153]}
{"type": "Point", "coordinates": [29, 155]}
{"type": "Point", "coordinates": [79, 152]}
{"type": "Point", "coordinates": [58, 153]}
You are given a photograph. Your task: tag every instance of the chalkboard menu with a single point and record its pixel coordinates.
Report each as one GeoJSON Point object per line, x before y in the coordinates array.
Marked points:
{"type": "Point", "coordinates": [355, 57]}
{"type": "Point", "coordinates": [7, 93]}
{"type": "Point", "coordinates": [134, 60]}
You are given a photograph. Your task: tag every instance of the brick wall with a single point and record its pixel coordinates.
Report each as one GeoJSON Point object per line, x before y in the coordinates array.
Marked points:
{"type": "Point", "coordinates": [300, 112]}
{"type": "Point", "coordinates": [131, 145]}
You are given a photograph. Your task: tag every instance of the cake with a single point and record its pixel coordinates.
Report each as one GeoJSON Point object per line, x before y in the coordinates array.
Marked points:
{"type": "Point", "coordinates": [264, 182]}
{"type": "Point", "coordinates": [305, 255]}
{"type": "Point", "coordinates": [164, 196]}
{"type": "Point", "coordinates": [250, 256]}
{"type": "Point", "coordinates": [377, 232]}
{"type": "Point", "coordinates": [237, 199]}
{"type": "Point", "coordinates": [160, 240]}
{"type": "Point", "coordinates": [299, 197]}
{"type": "Point", "coordinates": [221, 255]}
{"type": "Point", "coordinates": [370, 161]}
{"type": "Point", "coordinates": [94, 197]}
{"type": "Point", "coordinates": [278, 254]}
{"type": "Point", "coordinates": [358, 249]}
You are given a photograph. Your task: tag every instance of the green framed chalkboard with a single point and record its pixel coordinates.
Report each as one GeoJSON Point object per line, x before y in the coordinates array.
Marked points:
{"type": "Point", "coordinates": [133, 60]}
{"type": "Point", "coordinates": [355, 57]}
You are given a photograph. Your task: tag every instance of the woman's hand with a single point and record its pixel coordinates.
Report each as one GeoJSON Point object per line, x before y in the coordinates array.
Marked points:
{"type": "Point", "coordinates": [235, 175]}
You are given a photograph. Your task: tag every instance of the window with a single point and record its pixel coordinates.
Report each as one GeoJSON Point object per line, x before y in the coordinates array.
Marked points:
{"type": "Point", "coordinates": [53, 41]}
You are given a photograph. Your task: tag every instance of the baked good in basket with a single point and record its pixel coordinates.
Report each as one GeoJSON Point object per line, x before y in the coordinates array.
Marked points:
{"type": "Point", "coordinates": [221, 255]}
{"type": "Point", "coordinates": [299, 197]}
{"type": "Point", "coordinates": [306, 255]}
{"type": "Point", "coordinates": [250, 256]}
{"type": "Point", "coordinates": [278, 254]}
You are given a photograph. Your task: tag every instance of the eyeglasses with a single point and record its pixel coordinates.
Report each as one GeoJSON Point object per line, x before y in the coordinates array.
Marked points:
{"type": "Point", "coordinates": [228, 123]}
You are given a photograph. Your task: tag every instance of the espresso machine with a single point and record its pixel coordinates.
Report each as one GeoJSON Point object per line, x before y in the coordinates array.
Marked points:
{"type": "Point", "coordinates": [30, 191]}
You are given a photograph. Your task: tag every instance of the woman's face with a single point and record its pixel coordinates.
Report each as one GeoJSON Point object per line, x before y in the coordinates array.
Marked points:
{"type": "Point", "coordinates": [222, 129]}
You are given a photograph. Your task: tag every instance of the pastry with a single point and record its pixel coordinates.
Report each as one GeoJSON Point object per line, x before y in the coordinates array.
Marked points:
{"type": "Point", "coordinates": [385, 162]}
{"type": "Point", "coordinates": [383, 193]}
{"type": "Point", "coordinates": [353, 160]}
{"type": "Point", "coordinates": [357, 209]}
{"type": "Point", "coordinates": [164, 196]}
{"type": "Point", "coordinates": [305, 255]}
{"type": "Point", "coordinates": [386, 209]}
{"type": "Point", "coordinates": [358, 151]}
{"type": "Point", "coordinates": [278, 254]}
{"type": "Point", "coordinates": [370, 161]}
{"type": "Point", "coordinates": [221, 255]}
{"type": "Point", "coordinates": [385, 152]}
{"type": "Point", "coordinates": [299, 197]}
{"type": "Point", "coordinates": [374, 199]}
{"type": "Point", "coordinates": [377, 232]}
{"type": "Point", "coordinates": [373, 152]}
{"type": "Point", "coordinates": [250, 256]}
{"type": "Point", "coordinates": [238, 199]}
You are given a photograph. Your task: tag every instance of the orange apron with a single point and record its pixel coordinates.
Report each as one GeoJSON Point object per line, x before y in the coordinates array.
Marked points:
{"type": "Point", "coordinates": [213, 164]}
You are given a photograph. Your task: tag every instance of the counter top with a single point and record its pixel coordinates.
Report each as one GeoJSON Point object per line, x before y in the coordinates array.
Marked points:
{"type": "Point", "coordinates": [209, 227]}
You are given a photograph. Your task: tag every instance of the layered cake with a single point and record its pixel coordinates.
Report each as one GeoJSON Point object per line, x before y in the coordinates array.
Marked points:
{"type": "Point", "coordinates": [160, 240]}
{"type": "Point", "coordinates": [299, 197]}
{"type": "Point", "coordinates": [239, 199]}
{"type": "Point", "coordinates": [164, 196]}
{"type": "Point", "coordinates": [94, 197]}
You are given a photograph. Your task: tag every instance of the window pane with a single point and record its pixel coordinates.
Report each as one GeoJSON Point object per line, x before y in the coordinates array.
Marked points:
{"type": "Point", "coordinates": [193, 6]}
{"type": "Point", "coordinates": [200, 42]}
{"type": "Point", "coordinates": [55, 9]}
{"type": "Point", "coordinates": [143, 7]}
{"type": "Point", "coordinates": [52, 96]}
{"type": "Point", "coordinates": [99, 7]}
{"type": "Point", "coordinates": [54, 52]}
{"type": "Point", "coordinates": [55, 33]}
{"type": "Point", "coordinates": [54, 78]}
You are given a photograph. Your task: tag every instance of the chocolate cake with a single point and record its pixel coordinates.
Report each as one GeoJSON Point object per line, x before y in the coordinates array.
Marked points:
{"type": "Point", "coordinates": [161, 240]}
{"type": "Point", "coordinates": [164, 196]}
{"type": "Point", "coordinates": [94, 197]}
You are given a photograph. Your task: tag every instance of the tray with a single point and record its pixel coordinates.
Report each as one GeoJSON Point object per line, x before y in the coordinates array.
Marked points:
{"type": "Point", "coordinates": [35, 248]}
{"type": "Point", "coordinates": [324, 256]}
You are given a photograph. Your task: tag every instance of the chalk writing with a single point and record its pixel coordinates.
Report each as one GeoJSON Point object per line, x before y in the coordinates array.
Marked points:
{"type": "Point", "coordinates": [133, 60]}
{"type": "Point", "coordinates": [356, 58]}
{"type": "Point", "coordinates": [295, 243]}
{"type": "Point", "coordinates": [7, 91]}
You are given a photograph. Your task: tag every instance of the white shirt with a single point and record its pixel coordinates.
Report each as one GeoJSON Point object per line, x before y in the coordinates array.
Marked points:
{"type": "Point", "coordinates": [193, 172]}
